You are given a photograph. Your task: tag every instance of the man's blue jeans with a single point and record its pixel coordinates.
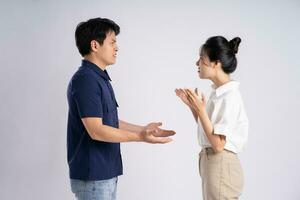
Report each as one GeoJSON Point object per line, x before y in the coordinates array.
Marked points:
{"type": "Point", "coordinates": [95, 190]}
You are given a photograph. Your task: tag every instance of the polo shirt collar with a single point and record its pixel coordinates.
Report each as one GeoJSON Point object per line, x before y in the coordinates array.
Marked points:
{"type": "Point", "coordinates": [231, 85]}
{"type": "Point", "coordinates": [95, 68]}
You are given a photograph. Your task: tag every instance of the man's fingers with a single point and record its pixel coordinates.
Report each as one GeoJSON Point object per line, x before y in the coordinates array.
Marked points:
{"type": "Point", "coordinates": [158, 123]}
{"type": "Point", "coordinates": [154, 125]}
{"type": "Point", "coordinates": [154, 137]}
{"type": "Point", "coordinates": [165, 140]}
{"type": "Point", "coordinates": [164, 133]}
{"type": "Point", "coordinates": [161, 140]}
{"type": "Point", "coordinates": [167, 133]}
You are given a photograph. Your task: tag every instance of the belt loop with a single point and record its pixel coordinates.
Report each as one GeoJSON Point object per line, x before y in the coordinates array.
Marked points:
{"type": "Point", "coordinates": [206, 151]}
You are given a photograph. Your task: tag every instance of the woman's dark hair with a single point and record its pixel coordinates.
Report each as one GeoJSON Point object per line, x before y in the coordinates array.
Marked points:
{"type": "Point", "coordinates": [218, 48]}
{"type": "Point", "coordinates": [93, 29]}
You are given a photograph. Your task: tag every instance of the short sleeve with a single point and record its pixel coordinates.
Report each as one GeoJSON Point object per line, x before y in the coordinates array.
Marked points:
{"type": "Point", "coordinates": [87, 95]}
{"type": "Point", "coordinates": [226, 114]}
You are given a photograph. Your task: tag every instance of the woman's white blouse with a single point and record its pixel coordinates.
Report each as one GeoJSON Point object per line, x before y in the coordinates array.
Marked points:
{"type": "Point", "coordinates": [227, 114]}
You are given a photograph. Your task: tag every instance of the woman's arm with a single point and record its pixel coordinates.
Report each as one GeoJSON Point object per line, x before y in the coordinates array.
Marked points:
{"type": "Point", "coordinates": [198, 104]}
{"type": "Point", "coordinates": [217, 141]}
{"type": "Point", "coordinates": [194, 114]}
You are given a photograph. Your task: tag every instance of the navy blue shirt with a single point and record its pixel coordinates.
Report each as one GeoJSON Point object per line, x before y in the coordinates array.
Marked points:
{"type": "Point", "coordinates": [90, 94]}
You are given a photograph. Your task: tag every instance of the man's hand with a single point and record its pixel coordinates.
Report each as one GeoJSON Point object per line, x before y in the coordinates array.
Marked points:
{"type": "Point", "coordinates": [158, 131]}
{"type": "Point", "coordinates": [153, 134]}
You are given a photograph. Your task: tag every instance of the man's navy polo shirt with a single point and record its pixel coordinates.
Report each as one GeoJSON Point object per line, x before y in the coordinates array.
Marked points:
{"type": "Point", "coordinates": [90, 94]}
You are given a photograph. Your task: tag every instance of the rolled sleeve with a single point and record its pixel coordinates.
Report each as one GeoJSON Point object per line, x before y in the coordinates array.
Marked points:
{"type": "Point", "coordinates": [227, 117]}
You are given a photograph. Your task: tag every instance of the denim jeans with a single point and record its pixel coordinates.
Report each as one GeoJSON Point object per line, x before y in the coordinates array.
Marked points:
{"type": "Point", "coordinates": [95, 190]}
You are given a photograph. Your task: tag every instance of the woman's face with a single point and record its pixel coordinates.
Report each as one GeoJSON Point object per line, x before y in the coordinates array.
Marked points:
{"type": "Point", "coordinates": [205, 67]}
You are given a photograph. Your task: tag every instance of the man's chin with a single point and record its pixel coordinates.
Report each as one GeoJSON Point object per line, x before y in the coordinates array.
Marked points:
{"type": "Point", "coordinates": [112, 62]}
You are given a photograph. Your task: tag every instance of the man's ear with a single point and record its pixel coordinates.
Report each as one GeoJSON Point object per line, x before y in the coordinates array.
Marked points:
{"type": "Point", "coordinates": [94, 46]}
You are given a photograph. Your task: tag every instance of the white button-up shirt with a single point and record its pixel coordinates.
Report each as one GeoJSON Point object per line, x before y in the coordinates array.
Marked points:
{"type": "Point", "coordinates": [226, 112]}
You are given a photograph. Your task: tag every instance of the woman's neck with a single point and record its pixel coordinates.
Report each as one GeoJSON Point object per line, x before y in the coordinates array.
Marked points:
{"type": "Point", "coordinates": [221, 79]}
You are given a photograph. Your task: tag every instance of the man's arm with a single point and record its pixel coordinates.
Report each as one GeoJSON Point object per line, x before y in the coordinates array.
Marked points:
{"type": "Point", "coordinates": [130, 127]}
{"type": "Point", "coordinates": [98, 131]}
{"type": "Point", "coordinates": [151, 126]}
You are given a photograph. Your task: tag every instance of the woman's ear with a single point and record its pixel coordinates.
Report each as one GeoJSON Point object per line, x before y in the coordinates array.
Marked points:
{"type": "Point", "coordinates": [213, 64]}
{"type": "Point", "coordinates": [217, 64]}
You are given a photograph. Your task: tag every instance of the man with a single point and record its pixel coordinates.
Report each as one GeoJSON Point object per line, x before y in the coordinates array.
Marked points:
{"type": "Point", "coordinates": [94, 129]}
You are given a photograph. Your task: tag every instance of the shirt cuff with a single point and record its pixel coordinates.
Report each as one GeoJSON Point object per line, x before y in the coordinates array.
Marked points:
{"type": "Point", "coordinates": [221, 129]}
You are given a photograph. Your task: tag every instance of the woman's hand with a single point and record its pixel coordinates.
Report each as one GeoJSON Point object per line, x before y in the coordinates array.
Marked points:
{"type": "Point", "coordinates": [183, 96]}
{"type": "Point", "coordinates": [196, 101]}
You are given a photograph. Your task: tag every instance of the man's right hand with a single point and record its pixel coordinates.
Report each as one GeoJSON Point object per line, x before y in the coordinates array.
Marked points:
{"type": "Point", "coordinates": [148, 135]}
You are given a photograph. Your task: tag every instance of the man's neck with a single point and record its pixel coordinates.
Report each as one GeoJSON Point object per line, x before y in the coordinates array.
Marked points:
{"type": "Point", "coordinates": [96, 62]}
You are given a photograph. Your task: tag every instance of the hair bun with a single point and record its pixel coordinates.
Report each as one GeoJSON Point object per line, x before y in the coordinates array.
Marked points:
{"type": "Point", "coordinates": [234, 44]}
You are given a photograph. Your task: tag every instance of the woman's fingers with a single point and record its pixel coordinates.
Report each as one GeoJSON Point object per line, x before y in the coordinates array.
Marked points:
{"type": "Point", "coordinates": [190, 93]}
{"type": "Point", "coordinates": [179, 93]}
{"type": "Point", "coordinates": [187, 94]}
{"type": "Point", "coordinates": [203, 97]}
{"type": "Point", "coordinates": [190, 96]}
{"type": "Point", "coordinates": [195, 96]}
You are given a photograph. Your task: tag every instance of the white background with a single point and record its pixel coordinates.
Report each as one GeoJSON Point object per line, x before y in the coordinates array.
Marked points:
{"type": "Point", "coordinates": [159, 44]}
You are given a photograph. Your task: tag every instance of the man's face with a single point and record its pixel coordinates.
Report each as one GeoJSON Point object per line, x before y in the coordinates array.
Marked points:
{"type": "Point", "coordinates": [107, 53]}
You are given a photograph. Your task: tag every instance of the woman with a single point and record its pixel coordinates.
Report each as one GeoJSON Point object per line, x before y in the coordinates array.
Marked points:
{"type": "Point", "coordinates": [222, 121]}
